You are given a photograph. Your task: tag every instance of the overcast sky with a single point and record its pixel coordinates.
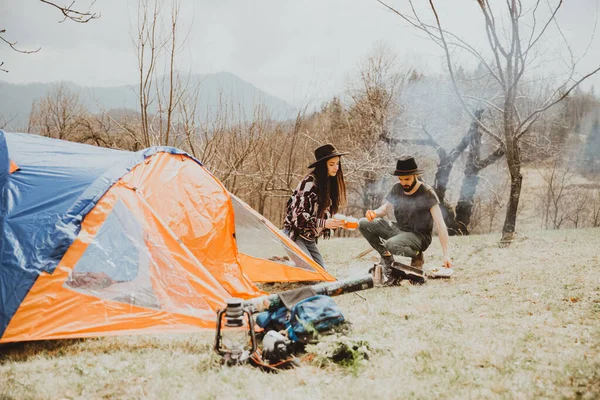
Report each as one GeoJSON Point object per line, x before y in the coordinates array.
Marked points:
{"type": "Point", "coordinates": [296, 50]}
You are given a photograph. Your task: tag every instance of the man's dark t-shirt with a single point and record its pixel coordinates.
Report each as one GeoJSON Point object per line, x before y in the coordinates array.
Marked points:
{"type": "Point", "coordinates": [412, 212]}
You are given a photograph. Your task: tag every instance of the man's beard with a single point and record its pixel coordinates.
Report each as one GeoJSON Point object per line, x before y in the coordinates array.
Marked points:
{"type": "Point", "coordinates": [411, 187]}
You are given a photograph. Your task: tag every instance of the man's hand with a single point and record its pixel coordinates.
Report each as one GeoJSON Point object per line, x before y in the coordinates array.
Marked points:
{"type": "Point", "coordinates": [331, 223]}
{"type": "Point", "coordinates": [370, 215]}
{"type": "Point", "coordinates": [447, 262]}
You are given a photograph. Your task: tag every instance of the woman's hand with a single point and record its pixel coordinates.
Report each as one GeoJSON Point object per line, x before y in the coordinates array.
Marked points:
{"type": "Point", "coordinates": [331, 223]}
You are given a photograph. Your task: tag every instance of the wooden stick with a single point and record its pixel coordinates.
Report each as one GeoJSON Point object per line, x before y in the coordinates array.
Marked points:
{"type": "Point", "coordinates": [364, 253]}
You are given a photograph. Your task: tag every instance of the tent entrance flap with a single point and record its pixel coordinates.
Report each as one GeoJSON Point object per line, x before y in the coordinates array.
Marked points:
{"type": "Point", "coordinates": [260, 240]}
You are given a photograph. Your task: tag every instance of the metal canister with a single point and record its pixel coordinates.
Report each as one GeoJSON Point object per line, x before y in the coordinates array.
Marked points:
{"type": "Point", "coordinates": [377, 275]}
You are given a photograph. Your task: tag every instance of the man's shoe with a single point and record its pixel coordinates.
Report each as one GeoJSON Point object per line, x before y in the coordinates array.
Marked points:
{"type": "Point", "coordinates": [418, 260]}
{"type": "Point", "coordinates": [387, 263]}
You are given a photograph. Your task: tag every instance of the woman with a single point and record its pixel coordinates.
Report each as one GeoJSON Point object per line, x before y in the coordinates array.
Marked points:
{"type": "Point", "coordinates": [318, 196]}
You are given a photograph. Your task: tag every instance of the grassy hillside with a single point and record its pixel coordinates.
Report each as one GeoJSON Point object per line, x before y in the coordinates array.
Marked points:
{"type": "Point", "coordinates": [522, 322]}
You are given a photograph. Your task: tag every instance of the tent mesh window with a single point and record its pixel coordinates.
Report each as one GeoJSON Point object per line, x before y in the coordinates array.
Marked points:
{"type": "Point", "coordinates": [116, 264]}
{"type": "Point", "coordinates": [256, 239]}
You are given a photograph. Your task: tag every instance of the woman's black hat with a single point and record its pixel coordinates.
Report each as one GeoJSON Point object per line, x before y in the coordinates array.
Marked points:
{"type": "Point", "coordinates": [325, 152]}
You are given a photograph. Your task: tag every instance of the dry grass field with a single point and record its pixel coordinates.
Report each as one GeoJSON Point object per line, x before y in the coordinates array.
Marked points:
{"type": "Point", "coordinates": [512, 323]}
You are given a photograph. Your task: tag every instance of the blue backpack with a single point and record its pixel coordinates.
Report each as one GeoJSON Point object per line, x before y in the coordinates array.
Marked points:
{"type": "Point", "coordinates": [305, 319]}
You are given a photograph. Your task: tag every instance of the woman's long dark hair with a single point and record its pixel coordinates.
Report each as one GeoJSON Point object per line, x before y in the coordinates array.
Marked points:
{"type": "Point", "coordinates": [332, 189]}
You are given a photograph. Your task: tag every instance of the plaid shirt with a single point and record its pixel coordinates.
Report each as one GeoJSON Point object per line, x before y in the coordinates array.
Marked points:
{"type": "Point", "coordinates": [302, 210]}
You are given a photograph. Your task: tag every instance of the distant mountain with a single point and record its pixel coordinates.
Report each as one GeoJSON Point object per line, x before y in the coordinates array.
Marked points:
{"type": "Point", "coordinates": [221, 88]}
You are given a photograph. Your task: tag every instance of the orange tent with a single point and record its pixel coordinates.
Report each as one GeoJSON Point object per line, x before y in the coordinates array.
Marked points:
{"type": "Point", "coordinates": [107, 242]}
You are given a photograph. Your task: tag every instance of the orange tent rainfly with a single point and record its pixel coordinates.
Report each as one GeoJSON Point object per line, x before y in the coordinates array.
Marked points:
{"type": "Point", "coordinates": [107, 242]}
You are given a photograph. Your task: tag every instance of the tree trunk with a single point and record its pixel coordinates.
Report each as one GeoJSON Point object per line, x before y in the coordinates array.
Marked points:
{"type": "Point", "coordinates": [464, 207]}
{"type": "Point", "coordinates": [454, 223]}
{"type": "Point", "coordinates": [450, 219]}
{"type": "Point", "coordinates": [513, 159]}
{"type": "Point", "coordinates": [262, 200]}
{"type": "Point", "coordinates": [442, 176]}
{"type": "Point", "coordinates": [510, 222]}
{"type": "Point", "coordinates": [466, 202]}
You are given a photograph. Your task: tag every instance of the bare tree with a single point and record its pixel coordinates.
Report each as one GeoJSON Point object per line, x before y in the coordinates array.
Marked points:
{"type": "Point", "coordinates": [369, 133]}
{"type": "Point", "coordinates": [160, 87]}
{"type": "Point", "coordinates": [105, 130]}
{"type": "Point", "coordinates": [554, 195]}
{"type": "Point", "coordinates": [241, 142]}
{"type": "Point", "coordinates": [433, 120]}
{"type": "Point", "coordinates": [595, 208]}
{"type": "Point", "coordinates": [276, 165]}
{"type": "Point", "coordinates": [486, 209]}
{"type": "Point", "coordinates": [475, 163]}
{"type": "Point", "coordinates": [578, 200]}
{"type": "Point", "coordinates": [148, 47]}
{"type": "Point", "coordinates": [58, 115]}
{"type": "Point", "coordinates": [188, 120]}
{"type": "Point", "coordinates": [4, 121]}
{"type": "Point", "coordinates": [511, 49]}
{"type": "Point", "coordinates": [457, 220]}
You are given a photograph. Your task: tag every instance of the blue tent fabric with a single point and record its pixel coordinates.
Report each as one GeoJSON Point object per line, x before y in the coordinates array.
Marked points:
{"type": "Point", "coordinates": [43, 204]}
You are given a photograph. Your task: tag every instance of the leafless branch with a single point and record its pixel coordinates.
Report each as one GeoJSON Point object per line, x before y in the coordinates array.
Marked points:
{"type": "Point", "coordinates": [532, 41]}
{"type": "Point", "coordinates": [3, 121]}
{"type": "Point", "coordinates": [13, 45]}
{"type": "Point", "coordinates": [453, 78]}
{"type": "Point", "coordinates": [458, 41]}
{"type": "Point", "coordinates": [530, 120]}
{"type": "Point", "coordinates": [68, 12]}
{"type": "Point", "coordinates": [492, 158]}
{"type": "Point", "coordinates": [74, 15]}
{"type": "Point", "coordinates": [444, 45]}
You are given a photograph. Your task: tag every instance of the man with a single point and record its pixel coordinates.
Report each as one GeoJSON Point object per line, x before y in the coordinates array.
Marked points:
{"type": "Point", "coordinates": [416, 208]}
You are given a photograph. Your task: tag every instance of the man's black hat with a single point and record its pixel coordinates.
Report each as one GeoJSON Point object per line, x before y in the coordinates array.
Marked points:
{"type": "Point", "coordinates": [406, 166]}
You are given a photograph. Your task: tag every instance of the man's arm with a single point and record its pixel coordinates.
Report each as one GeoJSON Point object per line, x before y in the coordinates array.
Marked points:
{"type": "Point", "coordinates": [385, 209]}
{"type": "Point", "coordinates": [442, 231]}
